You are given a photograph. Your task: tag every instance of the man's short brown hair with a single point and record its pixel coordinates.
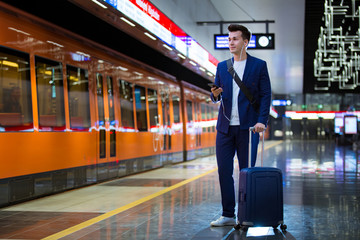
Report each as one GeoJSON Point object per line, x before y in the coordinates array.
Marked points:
{"type": "Point", "coordinates": [245, 33]}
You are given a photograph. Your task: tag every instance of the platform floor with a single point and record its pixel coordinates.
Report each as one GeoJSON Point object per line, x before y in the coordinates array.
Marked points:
{"type": "Point", "coordinates": [321, 201]}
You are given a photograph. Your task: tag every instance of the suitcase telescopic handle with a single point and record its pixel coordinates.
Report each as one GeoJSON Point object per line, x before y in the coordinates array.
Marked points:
{"type": "Point", "coordinates": [262, 146]}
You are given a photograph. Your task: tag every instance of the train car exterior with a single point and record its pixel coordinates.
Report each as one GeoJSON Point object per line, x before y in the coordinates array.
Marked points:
{"type": "Point", "coordinates": [73, 112]}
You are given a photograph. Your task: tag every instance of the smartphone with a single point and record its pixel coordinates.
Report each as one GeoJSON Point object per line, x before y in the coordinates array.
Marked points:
{"type": "Point", "coordinates": [212, 85]}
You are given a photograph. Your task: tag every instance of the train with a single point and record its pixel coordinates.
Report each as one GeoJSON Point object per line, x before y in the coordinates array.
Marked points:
{"type": "Point", "coordinates": [74, 112]}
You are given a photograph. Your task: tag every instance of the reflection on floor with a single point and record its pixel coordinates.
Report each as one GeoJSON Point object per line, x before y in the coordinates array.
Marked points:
{"type": "Point", "coordinates": [321, 201]}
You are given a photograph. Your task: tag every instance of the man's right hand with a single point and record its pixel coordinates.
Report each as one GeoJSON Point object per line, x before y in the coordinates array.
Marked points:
{"type": "Point", "coordinates": [216, 91]}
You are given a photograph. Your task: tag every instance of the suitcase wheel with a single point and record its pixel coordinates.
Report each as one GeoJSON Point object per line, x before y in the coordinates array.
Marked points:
{"type": "Point", "coordinates": [283, 227]}
{"type": "Point", "coordinates": [242, 227]}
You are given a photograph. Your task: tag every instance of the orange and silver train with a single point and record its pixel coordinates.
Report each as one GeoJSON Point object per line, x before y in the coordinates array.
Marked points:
{"type": "Point", "coordinates": [74, 113]}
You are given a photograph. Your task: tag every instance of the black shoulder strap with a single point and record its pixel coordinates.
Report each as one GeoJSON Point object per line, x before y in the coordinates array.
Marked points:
{"type": "Point", "coordinates": [242, 86]}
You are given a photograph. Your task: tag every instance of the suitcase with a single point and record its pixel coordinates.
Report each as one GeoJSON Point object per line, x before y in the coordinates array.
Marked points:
{"type": "Point", "coordinates": [260, 195]}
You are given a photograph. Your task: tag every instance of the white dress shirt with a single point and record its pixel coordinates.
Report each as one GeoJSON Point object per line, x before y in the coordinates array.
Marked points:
{"type": "Point", "coordinates": [239, 67]}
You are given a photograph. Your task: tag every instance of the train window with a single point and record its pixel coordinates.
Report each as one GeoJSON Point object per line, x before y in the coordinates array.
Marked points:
{"type": "Point", "coordinates": [111, 100]}
{"type": "Point", "coordinates": [196, 111]}
{"type": "Point", "coordinates": [176, 108]}
{"type": "Point", "coordinates": [189, 111]}
{"type": "Point", "coordinates": [126, 102]}
{"type": "Point", "coordinates": [203, 117]}
{"type": "Point", "coordinates": [78, 89]}
{"type": "Point", "coordinates": [112, 143]}
{"type": "Point", "coordinates": [50, 93]}
{"type": "Point", "coordinates": [208, 113]}
{"type": "Point", "coordinates": [140, 104]}
{"type": "Point", "coordinates": [102, 146]}
{"type": "Point", "coordinates": [15, 91]}
{"type": "Point", "coordinates": [214, 114]}
{"type": "Point", "coordinates": [153, 108]}
{"type": "Point", "coordinates": [100, 98]}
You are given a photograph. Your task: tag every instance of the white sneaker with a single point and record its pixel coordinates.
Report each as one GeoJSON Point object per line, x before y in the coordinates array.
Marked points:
{"type": "Point", "coordinates": [223, 221]}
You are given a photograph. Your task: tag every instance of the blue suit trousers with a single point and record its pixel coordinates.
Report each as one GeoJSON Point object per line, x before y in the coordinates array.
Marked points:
{"type": "Point", "coordinates": [236, 141]}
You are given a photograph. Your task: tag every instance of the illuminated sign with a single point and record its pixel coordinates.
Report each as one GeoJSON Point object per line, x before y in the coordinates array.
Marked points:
{"type": "Point", "coordinates": [257, 41]}
{"type": "Point", "coordinates": [350, 124]}
{"type": "Point", "coordinates": [148, 16]}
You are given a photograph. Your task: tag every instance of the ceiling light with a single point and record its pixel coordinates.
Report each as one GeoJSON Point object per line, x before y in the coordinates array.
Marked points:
{"type": "Point", "coordinates": [182, 56]}
{"type": "Point", "coordinates": [127, 21]}
{"type": "Point", "coordinates": [150, 36]}
{"type": "Point", "coordinates": [100, 4]}
{"type": "Point", "coordinates": [192, 63]}
{"type": "Point", "coordinates": [167, 47]}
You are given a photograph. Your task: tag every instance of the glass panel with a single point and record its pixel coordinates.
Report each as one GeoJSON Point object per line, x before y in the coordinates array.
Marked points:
{"type": "Point", "coordinates": [196, 111]}
{"type": "Point", "coordinates": [102, 143]}
{"type": "Point", "coordinates": [100, 99]}
{"type": "Point", "coordinates": [166, 118]}
{"type": "Point", "coordinates": [126, 102]}
{"type": "Point", "coordinates": [203, 117]}
{"type": "Point", "coordinates": [176, 108]}
{"type": "Point", "coordinates": [111, 100]}
{"type": "Point", "coordinates": [112, 143]}
{"type": "Point", "coordinates": [50, 93]}
{"type": "Point", "coordinates": [15, 91]}
{"type": "Point", "coordinates": [153, 108]}
{"type": "Point", "coordinates": [208, 113]}
{"type": "Point", "coordinates": [214, 114]}
{"type": "Point", "coordinates": [140, 103]}
{"type": "Point", "coordinates": [189, 111]}
{"type": "Point", "coordinates": [78, 88]}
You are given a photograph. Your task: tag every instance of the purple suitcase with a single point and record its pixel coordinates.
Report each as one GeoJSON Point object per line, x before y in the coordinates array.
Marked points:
{"type": "Point", "coordinates": [260, 195]}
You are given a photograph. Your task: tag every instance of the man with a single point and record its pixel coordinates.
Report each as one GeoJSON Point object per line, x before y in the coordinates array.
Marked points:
{"type": "Point", "coordinates": [237, 114]}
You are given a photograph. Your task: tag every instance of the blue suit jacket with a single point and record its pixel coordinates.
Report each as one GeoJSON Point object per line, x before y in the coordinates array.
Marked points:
{"type": "Point", "coordinates": [256, 79]}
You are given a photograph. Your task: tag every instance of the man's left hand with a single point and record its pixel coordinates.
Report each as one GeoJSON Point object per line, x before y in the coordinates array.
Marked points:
{"type": "Point", "coordinates": [259, 127]}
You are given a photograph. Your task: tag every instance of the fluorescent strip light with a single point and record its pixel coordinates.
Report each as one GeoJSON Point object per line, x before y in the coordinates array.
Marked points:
{"type": "Point", "coordinates": [127, 21]}
{"type": "Point", "coordinates": [137, 73]}
{"type": "Point", "coordinates": [100, 4]}
{"type": "Point", "coordinates": [182, 56]}
{"type": "Point", "coordinates": [150, 36]}
{"type": "Point", "coordinates": [192, 63]}
{"type": "Point", "coordinates": [210, 74]}
{"type": "Point", "coordinates": [202, 69]}
{"type": "Point", "coordinates": [167, 47]}
{"type": "Point", "coordinates": [9, 64]}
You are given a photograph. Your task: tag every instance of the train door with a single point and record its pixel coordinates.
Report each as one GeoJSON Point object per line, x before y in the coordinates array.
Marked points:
{"type": "Point", "coordinates": [106, 127]}
{"type": "Point", "coordinates": [166, 120]}
{"type": "Point", "coordinates": [198, 125]}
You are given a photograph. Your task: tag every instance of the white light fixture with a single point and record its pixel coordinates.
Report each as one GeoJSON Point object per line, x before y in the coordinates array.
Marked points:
{"type": "Point", "coordinates": [127, 21]}
{"type": "Point", "coordinates": [202, 69]}
{"type": "Point", "coordinates": [167, 47]}
{"type": "Point", "coordinates": [100, 4]}
{"type": "Point", "coordinates": [150, 36]}
{"type": "Point", "coordinates": [181, 56]}
{"type": "Point", "coordinates": [192, 63]}
{"type": "Point", "coordinates": [137, 73]}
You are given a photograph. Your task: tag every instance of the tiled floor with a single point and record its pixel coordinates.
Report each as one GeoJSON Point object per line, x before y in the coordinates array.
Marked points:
{"type": "Point", "coordinates": [321, 201]}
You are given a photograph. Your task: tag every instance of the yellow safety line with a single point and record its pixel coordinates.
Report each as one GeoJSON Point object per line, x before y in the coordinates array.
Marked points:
{"type": "Point", "coordinates": [104, 216]}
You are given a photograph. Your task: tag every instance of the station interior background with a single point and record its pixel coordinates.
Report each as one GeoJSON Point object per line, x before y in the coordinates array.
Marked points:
{"type": "Point", "coordinates": [291, 63]}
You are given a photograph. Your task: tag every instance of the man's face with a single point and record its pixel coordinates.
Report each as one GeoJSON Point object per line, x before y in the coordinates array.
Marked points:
{"type": "Point", "coordinates": [236, 42]}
